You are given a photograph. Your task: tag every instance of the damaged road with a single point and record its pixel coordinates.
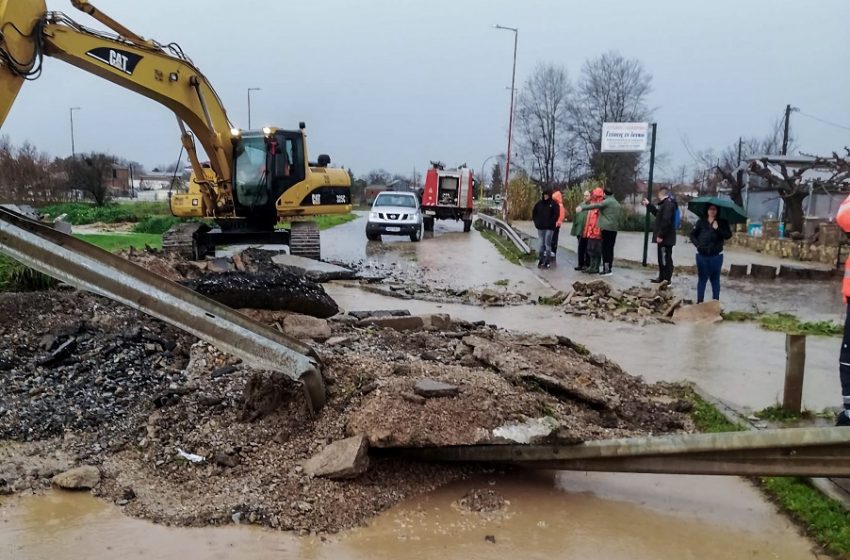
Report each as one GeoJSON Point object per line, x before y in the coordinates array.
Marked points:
{"type": "Point", "coordinates": [186, 435]}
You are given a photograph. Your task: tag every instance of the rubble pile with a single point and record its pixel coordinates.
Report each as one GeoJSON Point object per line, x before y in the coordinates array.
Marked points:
{"type": "Point", "coordinates": [598, 300]}
{"type": "Point", "coordinates": [181, 433]}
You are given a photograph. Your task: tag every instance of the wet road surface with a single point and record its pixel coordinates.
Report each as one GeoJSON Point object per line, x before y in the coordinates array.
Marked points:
{"type": "Point", "coordinates": [739, 363]}
{"type": "Point", "coordinates": [548, 516]}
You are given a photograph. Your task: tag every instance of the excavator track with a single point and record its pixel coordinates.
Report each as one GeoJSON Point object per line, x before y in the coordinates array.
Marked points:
{"type": "Point", "coordinates": [305, 240]}
{"type": "Point", "coordinates": [184, 239]}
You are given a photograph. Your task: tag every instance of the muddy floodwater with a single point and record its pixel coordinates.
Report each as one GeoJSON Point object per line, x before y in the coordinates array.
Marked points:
{"type": "Point", "coordinates": [546, 516]}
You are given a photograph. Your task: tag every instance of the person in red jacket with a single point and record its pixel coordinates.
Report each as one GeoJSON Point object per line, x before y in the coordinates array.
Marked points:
{"type": "Point", "coordinates": [559, 199]}
{"type": "Point", "coordinates": [843, 221]}
{"type": "Point", "coordinates": [593, 233]}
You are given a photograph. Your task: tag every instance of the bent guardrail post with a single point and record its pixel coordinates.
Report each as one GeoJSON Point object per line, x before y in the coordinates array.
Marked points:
{"type": "Point", "coordinates": [90, 268]}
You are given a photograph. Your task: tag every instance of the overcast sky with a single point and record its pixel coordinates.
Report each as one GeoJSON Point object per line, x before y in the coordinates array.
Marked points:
{"type": "Point", "coordinates": [395, 83]}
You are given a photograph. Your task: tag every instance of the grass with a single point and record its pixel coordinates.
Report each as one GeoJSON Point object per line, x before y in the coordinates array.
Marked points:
{"type": "Point", "coordinates": [156, 224]}
{"type": "Point", "coordinates": [16, 277]}
{"type": "Point", "coordinates": [118, 241]}
{"type": "Point", "coordinates": [505, 247]}
{"type": "Point", "coordinates": [82, 213]}
{"type": "Point", "coordinates": [329, 221]}
{"type": "Point", "coordinates": [778, 414]}
{"type": "Point", "coordinates": [556, 299]}
{"type": "Point", "coordinates": [503, 282]}
{"type": "Point", "coordinates": [787, 323]}
{"type": "Point", "coordinates": [824, 520]}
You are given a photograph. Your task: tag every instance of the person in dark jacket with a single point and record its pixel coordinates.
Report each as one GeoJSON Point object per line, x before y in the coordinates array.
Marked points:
{"type": "Point", "coordinates": [708, 236]}
{"type": "Point", "coordinates": [664, 234]}
{"type": "Point", "coordinates": [545, 215]}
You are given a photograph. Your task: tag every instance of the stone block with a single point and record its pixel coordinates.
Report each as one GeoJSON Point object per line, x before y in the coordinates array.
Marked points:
{"type": "Point", "coordinates": [346, 458]}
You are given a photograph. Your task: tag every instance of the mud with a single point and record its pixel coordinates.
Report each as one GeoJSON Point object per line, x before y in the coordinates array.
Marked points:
{"type": "Point", "coordinates": [251, 430]}
{"type": "Point", "coordinates": [560, 516]}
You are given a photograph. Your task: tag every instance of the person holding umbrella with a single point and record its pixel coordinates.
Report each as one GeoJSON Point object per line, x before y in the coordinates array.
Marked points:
{"type": "Point", "coordinates": [708, 236]}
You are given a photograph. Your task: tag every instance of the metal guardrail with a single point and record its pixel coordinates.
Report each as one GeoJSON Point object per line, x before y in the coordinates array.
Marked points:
{"type": "Point", "coordinates": [785, 452]}
{"type": "Point", "coordinates": [90, 268]}
{"type": "Point", "coordinates": [505, 230]}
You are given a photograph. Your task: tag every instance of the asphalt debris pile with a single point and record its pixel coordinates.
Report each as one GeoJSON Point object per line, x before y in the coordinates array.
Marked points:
{"type": "Point", "coordinates": [598, 300]}
{"type": "Point", "coordinates": [198, 438]}
{"type": "Point", "coordinates": [246, 280]}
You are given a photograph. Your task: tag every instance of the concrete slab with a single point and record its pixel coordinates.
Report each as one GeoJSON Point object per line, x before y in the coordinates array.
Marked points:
{"type": "Point", "coordinates": [317, 271]}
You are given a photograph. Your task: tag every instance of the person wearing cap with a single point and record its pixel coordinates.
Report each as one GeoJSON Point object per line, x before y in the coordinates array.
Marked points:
{"type": "Point", "coordinates": [843, 221]}
{"type": "Point", "coordinates": [577, 231]}
{"type": "Point", "coordinates": [664, 233]}
{"type": "Point", "coordinates": [545, 216]}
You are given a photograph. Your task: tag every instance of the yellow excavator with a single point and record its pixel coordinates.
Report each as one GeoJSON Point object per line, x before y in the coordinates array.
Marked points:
{"type": "Point", "coordinates": [254, 179]}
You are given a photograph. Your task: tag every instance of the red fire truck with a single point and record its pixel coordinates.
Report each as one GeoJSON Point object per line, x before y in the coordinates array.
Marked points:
{"type": "Point", "coordinates": [448, 195]}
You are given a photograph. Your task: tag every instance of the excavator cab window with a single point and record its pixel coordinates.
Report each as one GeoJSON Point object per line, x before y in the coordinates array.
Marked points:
{"type": "Point", "coordinates": [250, 172]}
{"type": "Point", "coordinates": [289, 160]}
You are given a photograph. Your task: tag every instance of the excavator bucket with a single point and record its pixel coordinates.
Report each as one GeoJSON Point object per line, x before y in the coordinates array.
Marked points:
{"type": "Point", "coordinates": [19, 54]}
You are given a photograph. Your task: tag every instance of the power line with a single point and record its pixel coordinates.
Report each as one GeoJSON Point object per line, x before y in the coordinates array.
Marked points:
{"type": "Point", "coordinates": [824, 121]}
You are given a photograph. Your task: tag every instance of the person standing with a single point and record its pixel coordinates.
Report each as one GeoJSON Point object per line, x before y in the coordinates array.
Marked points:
{"type": "Point", "coordinates": [559, 200]}
{"type": "Point", "coordinates": [609, 218]}
{"type": "Point", "coordinates": [708, 236]}
{"type": "Point", "coordinates": [545, 216]}
{"type": "Point", "coordinates": [593, 233]}
{"type": "Point", "coordinates": [577, 231]}
{"type": "Point", "coordinates": [843, 221]}
{"type": "Point", "coordinates": [664, 233]}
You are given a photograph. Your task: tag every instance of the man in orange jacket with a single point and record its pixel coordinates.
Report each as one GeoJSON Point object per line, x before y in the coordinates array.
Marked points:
{"type": "Point", "coordinates": [843, 221]}
{"type": "Point", "coordinates": [559, 200]}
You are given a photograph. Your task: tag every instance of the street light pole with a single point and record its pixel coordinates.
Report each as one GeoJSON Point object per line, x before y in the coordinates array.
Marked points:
{"type": "Point", "coordinates": [73, 147]}
{"type": "Point", "coordinates": [481, 178]}
{"type": "Point", "coordinates": [510, 118]}
{"type": "Point", "coordinates": [250, 89]}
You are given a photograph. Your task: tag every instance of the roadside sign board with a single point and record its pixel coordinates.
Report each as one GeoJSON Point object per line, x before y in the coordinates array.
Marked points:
{"type": "Point", "coordinates": [625, 137]}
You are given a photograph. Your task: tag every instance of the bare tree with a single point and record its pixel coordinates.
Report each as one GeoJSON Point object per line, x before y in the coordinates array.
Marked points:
{"type": "Point", "coordinates": [27, 175]}
{"type": "Point", "coordinates": [612, 88]}
{"type": "Point", "coordinates": [726, 165]}
{"type": "Point", "coordinates": [542, 117]}
{"type": "Point", "coordinates": [791, 183]}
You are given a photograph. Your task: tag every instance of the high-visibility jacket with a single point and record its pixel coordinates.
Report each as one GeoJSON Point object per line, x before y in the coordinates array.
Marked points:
{"type": "Point", "coordinates": [843, 221]}
{"type": "Point", "coordinates": [562, 213]}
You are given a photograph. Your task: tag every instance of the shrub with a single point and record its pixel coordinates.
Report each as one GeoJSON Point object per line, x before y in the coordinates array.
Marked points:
{"type": "Point", "coordinates": [156, 224]}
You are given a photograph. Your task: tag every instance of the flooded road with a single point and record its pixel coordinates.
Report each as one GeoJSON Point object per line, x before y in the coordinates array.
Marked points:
{"type": "Point", "coordinates": [451, 258]}
{"type": "Point", "coordinates": [739, 363]}
{"type": "Point", "coordinates": [548, 516]}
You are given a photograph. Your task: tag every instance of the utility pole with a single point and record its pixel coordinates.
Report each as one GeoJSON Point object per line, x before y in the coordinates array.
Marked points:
{"type": "Point", "coordinates": [740, 144]}
{"type": "Point", "coordinates": [788, 110]}
{"type": "Point", "coordinates": [73, 147]}
{"type": "Point", "coordinates": [250, 89]}
{"type": "Point", "coordinates": [510, 118]}
{"type": "Point", "coordinates": [649, 193]}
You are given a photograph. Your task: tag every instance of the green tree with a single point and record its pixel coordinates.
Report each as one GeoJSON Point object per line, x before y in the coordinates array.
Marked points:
{"type": "Point", "coordinates": [87, 173]}
{"type": "Point", "coordinates": [496, 183]}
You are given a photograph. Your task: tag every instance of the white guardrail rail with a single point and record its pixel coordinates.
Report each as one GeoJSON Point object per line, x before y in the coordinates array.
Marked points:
{"type": "Point", "coordinates": [505, 230]}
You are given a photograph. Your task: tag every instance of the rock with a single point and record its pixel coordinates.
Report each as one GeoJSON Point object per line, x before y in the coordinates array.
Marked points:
{"type": "Point", "coordinates": [223, 459]}
{"type": "Point", "coordinates": [317, 271]}
{"type": "Point", "coordinates": [489, 295]}
{"type": "Point", "coordinates": [360, 315]}
{"type": "Point", "coordinates": [415, 399]}
{"type": "Point", "coordinates": [128, 494]}
{"type": "Point", "coordinates": [429, 356]}
{"type": "Point", "coordinates": [304, 326]}
{"type": "Point", "coordinates": [762, 272]}
{"type": "Point", "coordinates": [338, 340]}
{"type": "Point", "coordinates": [431, 388]}
{"type": "Point", "coordinates": [708, 312]}
{"type": "Point", "coordinates": [80, 478]}
{"type": "Point", "coordinates": [738, 270]}
{"type": "Point", "coordinates": [63, 351]}
{"type": "Point", "coordinates": [219, 265]}
{"type": "Point", "coordinates": [412, 323]}
{"type": "Point", "coordinates": [490, 539]}
{"type": "Point", "coordinates": [346, 458]}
